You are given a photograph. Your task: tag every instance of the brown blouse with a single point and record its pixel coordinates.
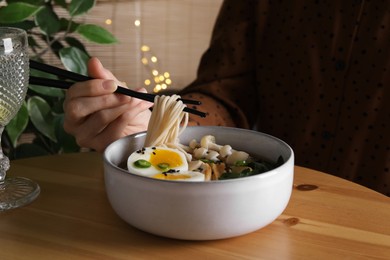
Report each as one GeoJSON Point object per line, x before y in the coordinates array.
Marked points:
{"type": "Point", "coordinates": [312, 73]}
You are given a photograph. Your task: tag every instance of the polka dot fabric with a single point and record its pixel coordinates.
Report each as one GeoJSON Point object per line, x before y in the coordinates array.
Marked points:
{"type": "Point", "coordinates": [313, 73]}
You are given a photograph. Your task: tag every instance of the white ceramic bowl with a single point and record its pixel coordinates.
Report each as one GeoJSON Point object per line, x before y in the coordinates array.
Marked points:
{"type": "Point", "coordinates": [201, 210]}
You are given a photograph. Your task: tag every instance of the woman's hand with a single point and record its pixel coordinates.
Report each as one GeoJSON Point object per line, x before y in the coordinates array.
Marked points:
{"type": "Point", "coordinates": [96, 116]}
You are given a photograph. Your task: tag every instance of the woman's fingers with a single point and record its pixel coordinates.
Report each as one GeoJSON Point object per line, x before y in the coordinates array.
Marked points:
{"type": "Point", "coordinates": [86, 133]}
{"type": "Point", "coordinates": [96, 116]}
{"type": "Point", "coordinates": [91, 88]}
{"type": "Point", "coordinates": [96, 121]}
{"type": "Point", "coordinates": [112, 132]}
{"type": "Point", "coordinates": [106, 126]}
{"type": "Point", "coordinates": [85, 98]}
{"type": "Point", "coordinates": [96, 70]}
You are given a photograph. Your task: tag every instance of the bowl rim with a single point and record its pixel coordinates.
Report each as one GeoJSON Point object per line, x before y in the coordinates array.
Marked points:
{"type": "Point", "coordinates": [263, 175]}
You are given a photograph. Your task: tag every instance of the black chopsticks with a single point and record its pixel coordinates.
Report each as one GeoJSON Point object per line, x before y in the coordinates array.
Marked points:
{"type": "Point", "coordinates": [78, 77]}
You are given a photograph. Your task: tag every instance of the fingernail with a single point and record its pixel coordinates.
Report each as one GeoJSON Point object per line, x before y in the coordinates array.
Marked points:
{"type": "Point", "coordinates": [109, 85]}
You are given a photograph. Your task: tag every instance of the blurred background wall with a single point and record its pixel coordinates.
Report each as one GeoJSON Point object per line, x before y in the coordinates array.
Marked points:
{"type": "Point", "coordinates": [173, 33]}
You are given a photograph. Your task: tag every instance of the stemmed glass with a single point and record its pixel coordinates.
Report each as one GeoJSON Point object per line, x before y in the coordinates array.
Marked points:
{"type": "Point", "coordinates": [14, 74]}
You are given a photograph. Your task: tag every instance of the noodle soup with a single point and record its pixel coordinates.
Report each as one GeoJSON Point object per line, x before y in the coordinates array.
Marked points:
{"type": "Point", "coordinates": [201, 210]}
{"type": "Point", "coordinates": [164, 156]}
{"type": "Point", "coordinates": [203, 160]}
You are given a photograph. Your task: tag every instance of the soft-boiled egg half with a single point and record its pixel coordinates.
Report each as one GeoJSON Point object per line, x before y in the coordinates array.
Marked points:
{"type": "Point", "coordinates": [162, 163]}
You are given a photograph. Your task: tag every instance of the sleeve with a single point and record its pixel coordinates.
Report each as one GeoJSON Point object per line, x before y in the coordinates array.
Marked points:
{"type": "Point", "coordinates": [226, 73]}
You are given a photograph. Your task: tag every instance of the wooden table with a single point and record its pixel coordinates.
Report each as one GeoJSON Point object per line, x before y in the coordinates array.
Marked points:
{"type": "Point", "coordinates": [327, 218]}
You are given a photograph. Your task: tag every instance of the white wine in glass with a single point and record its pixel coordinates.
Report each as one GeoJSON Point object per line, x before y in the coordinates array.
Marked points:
{"type": "Point", "coordinates": [14, 74]}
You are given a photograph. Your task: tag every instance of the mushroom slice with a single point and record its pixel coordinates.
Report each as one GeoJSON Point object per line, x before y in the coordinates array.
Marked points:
{"type": "Point", "coordinates": [200, 153]}
{"type": "Point", "coordinates": [208, 142]}
{"type": "Point", "coordinates": [218, 170]}
{"type": "Point", "coordinates": [212, 156]}
{"type": "Point", "coordinates": [225, 151]}
{"type": "Point", "coordinates": [194, 165]}
{"type": "Point", "coordinates": [206, 170]}
{"type": "Point", "coordinates": [236, 156]}
{"type": "Point", "coordinates": [199, 166]}
{"type": "Point", "coordinates": [193, 144]}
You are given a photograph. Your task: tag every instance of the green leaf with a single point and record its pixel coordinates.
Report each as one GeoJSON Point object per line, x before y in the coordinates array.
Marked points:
{"type": "Point", "coordinates": [79, 7]}
{"type": "Point", "coordinates": [33, 2]}
{"type": "Point", "coordinates": [32, 43]}
{"type": "Point", "coordinates": [17, 12]}
{"type": "Point", "coordinates": [76, 43]}
{"type": "Point", "coordinates": [58, 106]}
{"type": "Point", "coordinates": [46, 91]}
{"type": "Point", "coordinates": [41, 116]}
{"type": "Point", "coordinates": [66, 141]}
{"type": "Point", "coordinates": [38, 73]}
{"type": "Point", "coordinates": [47, 20]}
{"type": "Point", "coordinates": [25, 25]}
{"type": "Point", "coordinates": [61, 3]}
{"type": "Point", "coordinates": [97, 34]}
{"type": "Point", "coordinates": [65, 25]}
{"type": "Point", "coordinates": [56, 46]}
{"type": "Point", "coordinates": [74, 60]}
{"type": "Point", "coordinates": [17, 125]}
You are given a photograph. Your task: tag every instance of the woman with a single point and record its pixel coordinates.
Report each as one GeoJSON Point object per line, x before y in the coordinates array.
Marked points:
{"type": "Point", "coordinates": [313, 73]}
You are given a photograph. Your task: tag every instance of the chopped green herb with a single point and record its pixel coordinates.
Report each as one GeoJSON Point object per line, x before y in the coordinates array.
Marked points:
{"type": "Point", "coordinates": [142, 164]}
{"type": "Point", "coordinates": [254, 168]}
{"type": "Point", "coordinates": [207, 161]}
{"type": "Point", "coordinates": [163, 166]}
{"type": "Point", "coordinates": [241, 163]}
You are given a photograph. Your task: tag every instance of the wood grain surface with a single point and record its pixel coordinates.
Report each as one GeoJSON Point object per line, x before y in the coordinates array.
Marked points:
{"type": "Point", "coordinates": [327, 218]}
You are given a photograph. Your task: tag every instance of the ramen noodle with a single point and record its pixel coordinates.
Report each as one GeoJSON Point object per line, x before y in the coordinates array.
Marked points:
{"type": "Point", "coordinates": [164, 157]}
{"type": "Point", "coordinates": [164, 125]}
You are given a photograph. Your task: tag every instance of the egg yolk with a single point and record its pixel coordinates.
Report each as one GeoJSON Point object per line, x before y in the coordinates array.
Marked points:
{"type": "Point", "coordinates": [168, 176]}
{"type": "Point", "coordinates": [165, 157]}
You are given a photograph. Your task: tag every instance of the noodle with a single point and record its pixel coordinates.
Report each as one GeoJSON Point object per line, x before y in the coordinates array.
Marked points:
{"type": "Point", "coordinates": [165, 122]}
{"type": "Point", "coordinates": [211, 160]}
